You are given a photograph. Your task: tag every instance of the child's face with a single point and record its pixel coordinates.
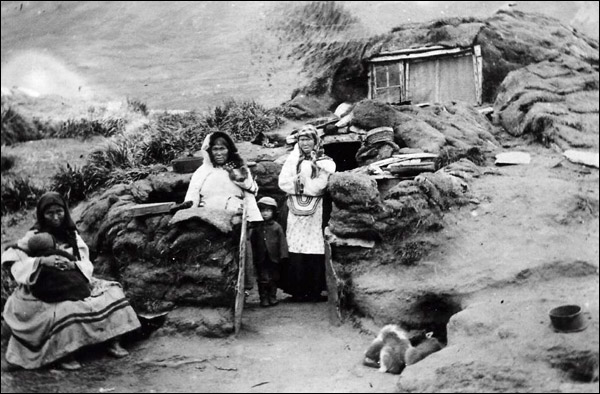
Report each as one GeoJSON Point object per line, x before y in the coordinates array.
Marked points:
{"type": "Point", "coordinates": [266, 212]}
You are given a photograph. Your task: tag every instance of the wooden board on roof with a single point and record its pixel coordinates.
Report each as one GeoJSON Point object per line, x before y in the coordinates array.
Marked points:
{"type": "Point", "coordinates": [340, 138]}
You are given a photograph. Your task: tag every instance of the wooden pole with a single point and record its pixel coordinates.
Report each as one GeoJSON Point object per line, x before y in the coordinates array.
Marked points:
{"type": "Point", "coordinates": [240, 287]}
{"type": "Point", "coordinates": [335, 316]}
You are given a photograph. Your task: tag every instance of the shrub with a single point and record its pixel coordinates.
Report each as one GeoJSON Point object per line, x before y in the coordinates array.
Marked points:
{"type": "Point", "coordinates": [84, 128]}
{"type": "Point", "coordinates": [15, 128]}
{"type": "Point", "coordinates": [450, 155]}
{"type": "Point", "coordinates": [19, 193]}
{"type": "Point", "coordinates": [319, 35]}
{"type": "Point", "coordinates": [137, 106]}
{"type": "Point", "coordinates": [243, 120]}
{"type": "Point", "coordinates": [8, 162]}
{"type": "Point", "coordinates": [119, 154]}
{"type": "Point", "coordinates": [171, 136]}
{"type": "Point", "coordinates": [162, 148]}
{"type": "Point", "coordinates": [133, 174]}
{"type": "Point", "coordinates": [77, 183]}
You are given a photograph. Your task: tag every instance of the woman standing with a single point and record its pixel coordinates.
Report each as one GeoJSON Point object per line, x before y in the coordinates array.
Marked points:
{"type": "Point", "coordinates": [45, 332]}
{"type": "Point", "coordinates": [304, 179]}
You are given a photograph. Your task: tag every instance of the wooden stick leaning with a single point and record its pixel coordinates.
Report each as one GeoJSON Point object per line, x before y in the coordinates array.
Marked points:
{"type": "Point", "coordinates": [335, 315]}
{"type": "Point", "coordinates": [240, 287]}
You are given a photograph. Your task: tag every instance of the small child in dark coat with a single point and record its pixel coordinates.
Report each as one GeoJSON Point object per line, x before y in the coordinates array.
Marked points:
{"type": "Point", "coordinates": [269, 248]}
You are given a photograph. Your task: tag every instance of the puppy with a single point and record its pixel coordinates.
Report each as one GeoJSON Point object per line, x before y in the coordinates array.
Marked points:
{"type": "Point", "coordinates": [417, 353]}
{"type": "Point", "coordinates": [388, 350]}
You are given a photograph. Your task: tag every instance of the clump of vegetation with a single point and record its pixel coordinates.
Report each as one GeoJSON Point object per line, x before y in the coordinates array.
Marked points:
{"type": "Point", "coordinates": [450, 155]}
{"type": "Point", "coordinates": [19, 193]}
{"type": "Point", "coordinates": [16, 128]}
{"type": "Point", "coordinates": [8, 162]}
{"type": "Point", "coordinates": [411, 252]}
{"type": "Point", "coordinates": [171, 136]}
{"type": "Point", "coordinates": [166, 137]}
{"type": "Point", "coordinates": [319, 34]}
{"type": "Point", "coordinates": [243, 120]}
{"type": "Point", "coordinates": [304, 22]}
{"type": "Point", "coordinates": [118, 154]}
{"type": "Point", "coordinates": [77, 183]}
{"type": "Point", "coordinates": [84, 128]}
{"type": "Point", "coordinates": [137, 106]}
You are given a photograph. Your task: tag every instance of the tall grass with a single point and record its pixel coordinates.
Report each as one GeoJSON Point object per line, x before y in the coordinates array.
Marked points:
{"type": "Point", "coordinates": [16, 128]}
{"type": "Point", "coordinates": [18, 193]}
{"type": "Point", "coordinates": [171, 136]}
{"type": "Point", "coordinates": [137, 106]}
{"type": "Point", "coordinates": [84, 128]}
{"type": "Point", "coordinates": [243, 120]}
{"type": "Point", "coordinates": [319, 35]}
{"type": "Point", "coordinates": [449, 155]}
{"type": "Point", "coordinates": [8, 162]}
{"type": "Point", "coordinates": [77, 183]}
{"type": "Point", "coordinates": [135, 155]}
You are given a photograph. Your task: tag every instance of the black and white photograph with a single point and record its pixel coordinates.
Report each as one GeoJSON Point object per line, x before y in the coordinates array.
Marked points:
{"type": "Point", "coordinates": [300, 196]}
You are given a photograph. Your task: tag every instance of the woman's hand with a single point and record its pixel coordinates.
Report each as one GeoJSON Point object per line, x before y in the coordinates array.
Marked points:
{"type": "Point", "coordinates": [236, 174]}
{"type": "Point", "coordinates": [59, 262]}
{"type": "Point", "coordinates": [301, 181]}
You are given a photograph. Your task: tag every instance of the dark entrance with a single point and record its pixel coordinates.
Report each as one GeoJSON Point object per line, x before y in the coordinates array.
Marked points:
{"type": "Point", "coordinates": [343, 153]}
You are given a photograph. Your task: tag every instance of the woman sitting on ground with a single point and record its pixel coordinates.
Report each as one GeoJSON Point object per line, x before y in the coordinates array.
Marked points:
{"type": "Point", "coordinates": [72, 309]}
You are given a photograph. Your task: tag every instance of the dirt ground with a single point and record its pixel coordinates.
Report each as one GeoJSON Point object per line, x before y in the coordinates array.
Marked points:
{"type": "Point", "coordinates": [287, 348]}
{"type": "Point", "coordinates": [528, 215]}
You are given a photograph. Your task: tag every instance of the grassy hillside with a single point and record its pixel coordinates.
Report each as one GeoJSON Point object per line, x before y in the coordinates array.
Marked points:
{"type": "Point", "coordinates": [170, 55]}
{"type": "Point", "coordinates": [190, 55]}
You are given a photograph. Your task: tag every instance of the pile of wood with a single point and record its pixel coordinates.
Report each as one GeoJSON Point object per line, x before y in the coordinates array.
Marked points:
{"type": "Point", "coordinates": [400, 166]}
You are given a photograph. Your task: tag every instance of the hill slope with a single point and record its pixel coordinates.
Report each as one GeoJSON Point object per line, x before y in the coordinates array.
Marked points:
{"type": "Point", "coordinates": [190, 55]}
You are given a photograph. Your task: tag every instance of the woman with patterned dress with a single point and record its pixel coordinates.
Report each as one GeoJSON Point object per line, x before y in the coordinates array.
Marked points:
{"type": "Point", "coordinates": [45, 332]}
{"type": "Point", "coordinates": [304, 178]}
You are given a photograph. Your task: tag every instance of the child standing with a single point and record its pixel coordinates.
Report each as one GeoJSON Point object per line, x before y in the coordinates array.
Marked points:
{"type": "Point", "coordinates": [269, 247]}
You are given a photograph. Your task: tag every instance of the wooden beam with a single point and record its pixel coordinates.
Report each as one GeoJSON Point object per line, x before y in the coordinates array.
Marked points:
{"type": "Point", "coordinates": [420, 55]}
{"type": "Point", "coordinates": [478, 58]}
{"type": "Point", "coordinates": [340, 138]}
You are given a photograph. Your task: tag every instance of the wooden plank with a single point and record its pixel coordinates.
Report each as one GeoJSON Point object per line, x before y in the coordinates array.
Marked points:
{"type": "Point", "coordinates": [333, 301]}
{"type": "Point", "coordinates": [383, 176]}
{"type": "Point", "coordinates": [338, 138]}
{"type": "Point", "coordinates": [508, 158]}
{"type": "Point", "coordinates": [406, 76]}
{"type": "Point", "coordinates": [149, 209]}
{"type": "Point", "coordinates": [436, 94]}
{"type": "Point", "coordinates": [479, 62]}
{"type": "Point", "coordinates": [410, 156]}
{"type": "Point", "coordinates": [410, 50]}
{"type": "Point", "coordinates": [476, 80]}
{"type": "Point", "coordinates": [371, 81]}
{"type": "Point", "coordinates": [402, 157]}
{"type": "Point", "coordinates": [420, 55]}
{"type": "Point", "coordinates": [412, 169]}
{"type": "Point", "coordinates": [240, 287]}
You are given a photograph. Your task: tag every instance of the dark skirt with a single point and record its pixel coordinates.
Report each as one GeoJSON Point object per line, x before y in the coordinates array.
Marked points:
{"type": "Point", "coordinates": [303, 275]}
